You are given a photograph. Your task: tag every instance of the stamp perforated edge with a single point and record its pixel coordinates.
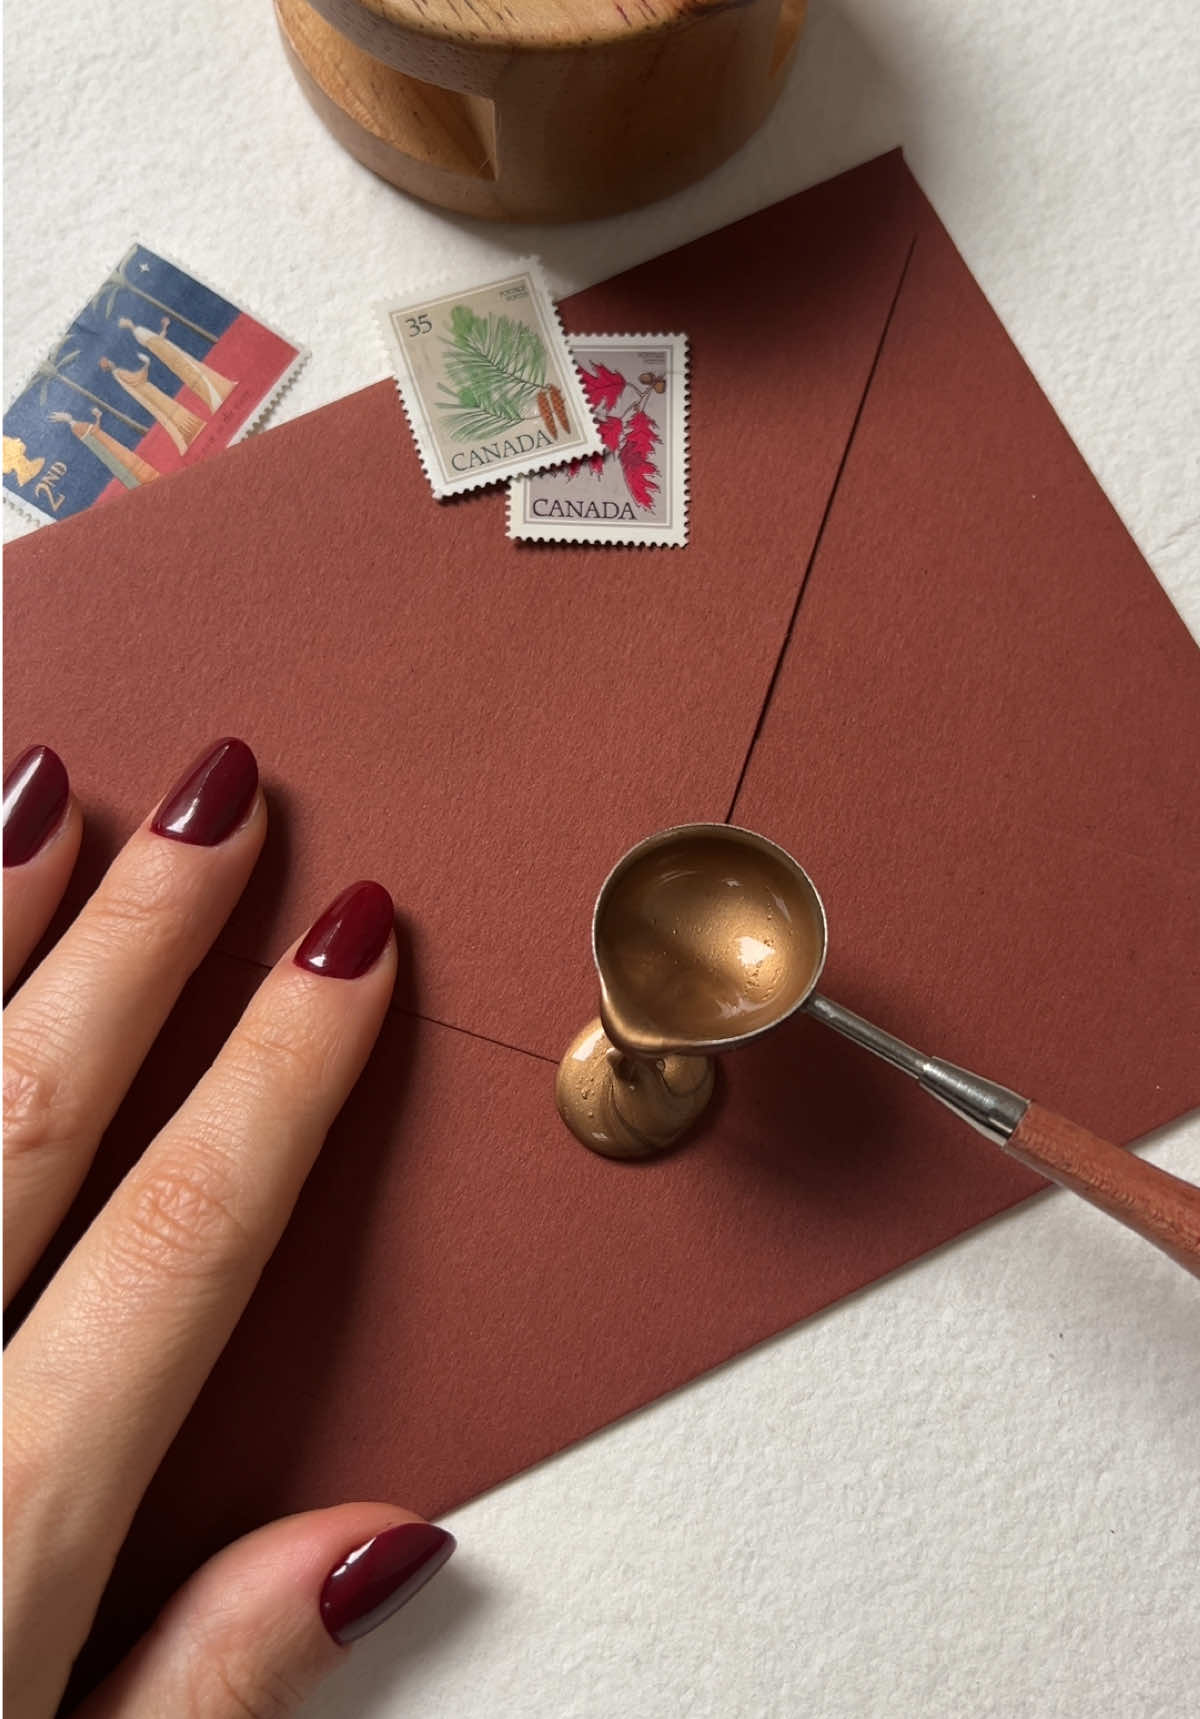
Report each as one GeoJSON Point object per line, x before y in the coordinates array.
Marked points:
{"type": "Point", "coordinates": [673, 536]}
{"type": "Point", "coordinates": [26, 509]}
{"type": "Point", "coordinates": [410, 394]}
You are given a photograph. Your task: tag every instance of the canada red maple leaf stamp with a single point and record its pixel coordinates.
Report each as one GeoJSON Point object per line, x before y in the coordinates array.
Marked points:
{"type": "Point", "coordinates": [634, 489]}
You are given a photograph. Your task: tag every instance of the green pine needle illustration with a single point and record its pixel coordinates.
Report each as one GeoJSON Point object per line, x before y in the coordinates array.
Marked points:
{"type": "Point", "coordinates": [497, 367]}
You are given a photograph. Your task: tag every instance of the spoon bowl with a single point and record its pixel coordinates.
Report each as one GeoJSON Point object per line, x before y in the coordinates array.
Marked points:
{"type": "Point", "coordinates": [704, 937]}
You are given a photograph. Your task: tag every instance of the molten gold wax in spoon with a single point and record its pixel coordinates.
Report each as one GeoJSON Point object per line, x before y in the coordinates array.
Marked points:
{"type": "Point", "coordinates": [704, 937]}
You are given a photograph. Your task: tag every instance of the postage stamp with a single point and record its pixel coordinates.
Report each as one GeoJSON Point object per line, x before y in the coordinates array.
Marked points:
{"type": "Point", "coordinates": [157, 372]}
{"type": "Point", "coordinates": [634, 490]}
{"type": "Point", "coordinates": [486, 378]}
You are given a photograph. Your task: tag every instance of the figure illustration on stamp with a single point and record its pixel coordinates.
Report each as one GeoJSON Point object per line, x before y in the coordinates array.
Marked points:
{"type": "Point", "coordinates": [17, 460]}
{"type": "Point", "coordinates": [181, 425]}
{"type": "Point", "coordinates": [126, 466]}
{"type": "Point", "coordinates": [205, 383]}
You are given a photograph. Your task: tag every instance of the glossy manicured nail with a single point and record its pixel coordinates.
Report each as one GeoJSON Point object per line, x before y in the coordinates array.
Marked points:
{"type": "Point", "coordinates": [211, 798]}
{"type": "Point", "coordinates": [375, 1580]}
{"type": "Point", "coordinates": [36, 791]}
{"type": "Point", "coordinates": [351, 934]}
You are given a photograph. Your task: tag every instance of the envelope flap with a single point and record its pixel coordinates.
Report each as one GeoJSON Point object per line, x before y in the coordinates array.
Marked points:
{"type": "Point", "coordinates": [480, 724]}
{"type": "Point", "coordinates": [985, 738]}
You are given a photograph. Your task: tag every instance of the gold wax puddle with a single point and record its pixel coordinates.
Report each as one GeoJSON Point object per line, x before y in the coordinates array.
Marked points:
{"type": "Point", "coordinates": [707, 938]}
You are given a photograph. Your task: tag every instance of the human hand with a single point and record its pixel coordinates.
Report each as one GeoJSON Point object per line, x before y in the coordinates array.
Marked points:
{"type": "Point", "coordinates": [105, 1367]}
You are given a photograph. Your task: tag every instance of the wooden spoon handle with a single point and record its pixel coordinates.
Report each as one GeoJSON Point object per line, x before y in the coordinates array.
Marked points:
{"type": "Point", "coordinates": [1159, 1206]}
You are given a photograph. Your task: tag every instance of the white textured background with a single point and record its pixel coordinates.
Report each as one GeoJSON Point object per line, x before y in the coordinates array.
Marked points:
{"type": "Point", "coordinates": [971, 1490]}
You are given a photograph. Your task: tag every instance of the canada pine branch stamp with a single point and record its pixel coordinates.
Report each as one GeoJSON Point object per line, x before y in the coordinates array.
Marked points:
{"type": "Point", "coordinates": [487, 379]}
{"type": "Point", "coordinates": [634, 489]}
{"type": "Point", "coordinates": [157, 372]}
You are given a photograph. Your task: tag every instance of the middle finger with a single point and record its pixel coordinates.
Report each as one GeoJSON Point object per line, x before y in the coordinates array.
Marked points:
{"type": "Point", "coordinates": [79, 1028]}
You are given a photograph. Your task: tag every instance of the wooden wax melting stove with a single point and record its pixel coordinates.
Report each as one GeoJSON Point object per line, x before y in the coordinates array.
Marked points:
{"type": "Point", "coordinates": [541, 110]}
{"type": "Point", "coordinates": [708, 936]}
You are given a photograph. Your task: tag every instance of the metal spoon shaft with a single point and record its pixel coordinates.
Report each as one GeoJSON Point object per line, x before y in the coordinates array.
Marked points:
{"type": "Point", "coordinates": [991, 1109]}
{"type": "Point", "coordinates": [1162, 1207]}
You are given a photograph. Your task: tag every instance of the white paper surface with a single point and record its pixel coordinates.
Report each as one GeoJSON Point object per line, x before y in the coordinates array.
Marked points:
{"type": "Point", "coordinates": [971, 1490]}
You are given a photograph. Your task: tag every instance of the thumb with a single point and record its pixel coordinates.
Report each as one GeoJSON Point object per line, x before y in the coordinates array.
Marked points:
{"type": "Point", "coordinates": [253, 1632]}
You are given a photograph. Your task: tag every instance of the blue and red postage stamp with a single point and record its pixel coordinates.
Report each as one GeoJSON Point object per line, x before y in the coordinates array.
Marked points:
{"type": "Point", "coordinates": [157, 372]}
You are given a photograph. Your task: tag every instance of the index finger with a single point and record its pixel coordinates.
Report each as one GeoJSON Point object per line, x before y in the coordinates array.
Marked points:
{"type": "Point", "coordinates": [79, 1028]}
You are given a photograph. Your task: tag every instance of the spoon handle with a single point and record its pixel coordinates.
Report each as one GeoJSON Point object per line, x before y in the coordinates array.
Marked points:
{"type": "Point", "coordinates": [1159, 1206]}
{"type": "Point", "coordinates": [1162, 1207]}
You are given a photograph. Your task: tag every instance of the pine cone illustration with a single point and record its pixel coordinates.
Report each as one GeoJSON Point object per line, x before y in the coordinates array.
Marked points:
{"type": "Point", "coordinates": [544, 407]}
{"type": "Point", "coordinates": [560, 407]}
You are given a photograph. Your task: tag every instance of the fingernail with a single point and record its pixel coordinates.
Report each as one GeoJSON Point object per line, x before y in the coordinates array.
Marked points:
{"type": "Point", "coordinates": [350, 935]}
{"type": "Point", "coordinates": [211, 798]}
{"type": "Point", "coordinates": [376, 1580]}
{"type": "Point", "coordinates": [36, 791]}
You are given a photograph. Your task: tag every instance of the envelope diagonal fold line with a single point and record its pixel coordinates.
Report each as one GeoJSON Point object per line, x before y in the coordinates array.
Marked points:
{"type": "Point", "coordinates": [816, 548]}
{"type": "Point", "coordinates": [264, 967]}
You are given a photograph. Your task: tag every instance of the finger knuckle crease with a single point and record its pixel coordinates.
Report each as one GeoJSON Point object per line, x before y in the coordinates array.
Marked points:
{"type": "Point", "coordinates": [258, 1701]}
{"type": "Point", "coordinates": [34, 1116]}
{"type": "Point", "coordinates": [25, 1465]}
{"type": "Point", "coordinates": [279, 1049]}
{"type": "Point", "coordinates": [147, 904]}
{"type": "Point", "coordinates": [248, 1690]}
{"type": "Point", "coordinates": [183, 1216]}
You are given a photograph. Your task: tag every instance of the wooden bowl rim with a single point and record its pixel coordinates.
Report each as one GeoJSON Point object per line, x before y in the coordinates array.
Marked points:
{"type": "Point", "coordinates": [525, 25]}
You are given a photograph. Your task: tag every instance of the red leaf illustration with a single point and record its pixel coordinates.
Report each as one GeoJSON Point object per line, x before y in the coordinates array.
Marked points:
{"type": "Point", "coordinates": [602, 386]}
{"type": "Point", "coordinates": [610, 433]}
{"type": "Point", "coordinates": [640, 471]}
{"type": "Point", "coordinates": [593, 463]}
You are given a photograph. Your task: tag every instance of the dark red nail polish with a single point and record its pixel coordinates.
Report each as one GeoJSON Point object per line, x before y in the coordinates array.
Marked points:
{"type": "Point", "coordinates": [36, 791]}
{"type": "Point", "coordinates": [375, 1580]}
{"type": "Point", "coordinates": [350, 935]}
{"type": "Point", "coordinates": [211, 798]}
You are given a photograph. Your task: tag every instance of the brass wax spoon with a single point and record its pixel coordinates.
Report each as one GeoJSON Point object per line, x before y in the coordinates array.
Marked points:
{"type": "Point", "coordinates": [705, 937]}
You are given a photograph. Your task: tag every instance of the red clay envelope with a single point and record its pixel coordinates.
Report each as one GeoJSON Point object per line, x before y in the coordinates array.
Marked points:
{"type": "Point", "coordinates": [909, 638]}
{"type": "Point", "coordinates": [479, 723]}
